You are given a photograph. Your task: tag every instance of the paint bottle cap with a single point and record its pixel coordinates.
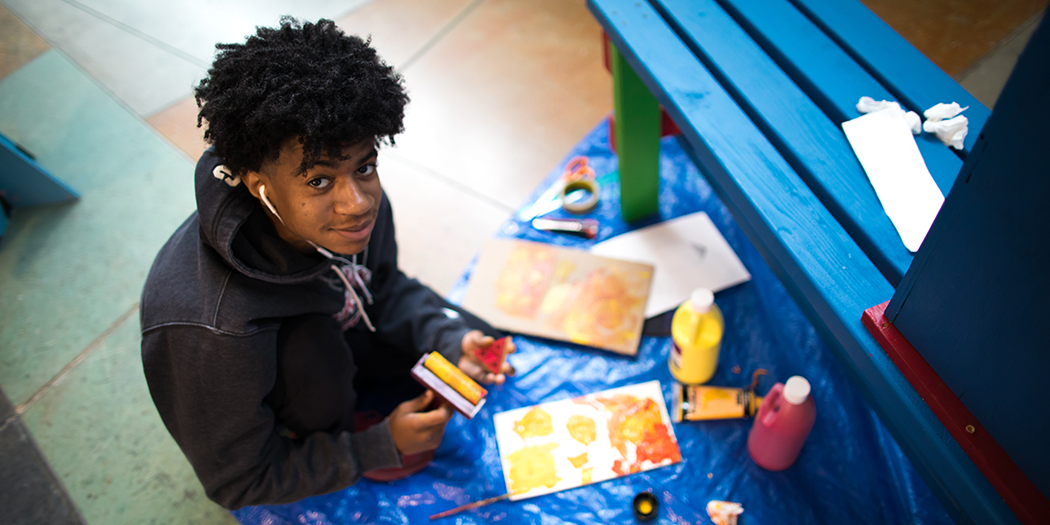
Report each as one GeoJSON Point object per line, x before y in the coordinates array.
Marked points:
{"type": "Point", "coordinates": [796, 390]}
{"type": "Point", "coordinates": [645, 506]}
{"type": "Point", "coordinates": [701, 300]}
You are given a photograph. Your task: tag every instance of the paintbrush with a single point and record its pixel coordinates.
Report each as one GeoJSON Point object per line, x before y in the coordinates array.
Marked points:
{"type": "Point", "coordinates": [469, 506]}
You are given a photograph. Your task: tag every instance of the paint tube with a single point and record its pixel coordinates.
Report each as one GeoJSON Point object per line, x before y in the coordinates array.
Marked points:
{"type": "Point", "coordinates": [706, 403]}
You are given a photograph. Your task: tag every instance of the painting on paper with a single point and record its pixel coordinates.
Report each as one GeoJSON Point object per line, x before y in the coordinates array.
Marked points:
{"type": "Point", "coordinates": [560, 293]}
{"type": "Point", "coordinates": [573, 442]}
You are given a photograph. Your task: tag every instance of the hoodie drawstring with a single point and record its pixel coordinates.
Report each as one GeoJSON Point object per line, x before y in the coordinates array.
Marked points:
{"type": "Point", "coordinates": [355, 271]}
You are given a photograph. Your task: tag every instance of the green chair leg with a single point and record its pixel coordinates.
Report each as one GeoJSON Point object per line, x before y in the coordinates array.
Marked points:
{"type": "Point", "coordinates": [637, 141]}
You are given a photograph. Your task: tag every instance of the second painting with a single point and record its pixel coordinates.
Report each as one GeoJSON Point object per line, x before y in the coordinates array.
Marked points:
{"type": "Point", "coordinates": [561, 293]}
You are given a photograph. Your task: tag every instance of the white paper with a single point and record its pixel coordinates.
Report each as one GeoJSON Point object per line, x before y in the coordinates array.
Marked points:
{"type": "Point", "coordinates": [952, 132]}
{"type": "Point", "coordinates": [943, 111]}
{"type": "Point", "coordinates": [944, 122]}
{"type": "Point", "coordinates": [897, 171]}
{"type": "Point", "coordinates": [870, 105]}
{"type": "Point", "coordinates": [687, 252]}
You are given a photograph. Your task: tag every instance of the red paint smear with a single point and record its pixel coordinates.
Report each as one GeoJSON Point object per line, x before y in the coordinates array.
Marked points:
{"type": "Point", "coordinates": [657, 446]}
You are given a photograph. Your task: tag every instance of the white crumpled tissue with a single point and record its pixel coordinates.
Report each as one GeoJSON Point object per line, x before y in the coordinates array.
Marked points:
{"type": "Point", "coordinates": [868, 105]}
{"type": "Point", "coordinates": [944, 121]}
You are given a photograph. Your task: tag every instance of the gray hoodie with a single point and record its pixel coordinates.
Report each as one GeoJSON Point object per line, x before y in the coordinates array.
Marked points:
{"type": "Point", "coordinates": [211, 309]}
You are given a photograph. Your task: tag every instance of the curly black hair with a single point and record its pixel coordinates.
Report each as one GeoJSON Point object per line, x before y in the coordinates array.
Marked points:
{"type": "Point", "coordinates": [304, 80]}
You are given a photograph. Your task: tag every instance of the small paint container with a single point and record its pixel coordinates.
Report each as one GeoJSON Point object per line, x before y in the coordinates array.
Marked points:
{"type": "Point", "coordinates": [645, 506]}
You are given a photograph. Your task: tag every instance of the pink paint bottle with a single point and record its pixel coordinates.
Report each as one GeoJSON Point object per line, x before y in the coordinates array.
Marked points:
{"type": "Point", "coordinates": [784, 420]}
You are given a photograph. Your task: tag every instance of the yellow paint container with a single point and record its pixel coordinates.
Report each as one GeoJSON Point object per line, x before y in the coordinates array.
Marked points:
{"type": "Point", "coordinates": [696, 331]}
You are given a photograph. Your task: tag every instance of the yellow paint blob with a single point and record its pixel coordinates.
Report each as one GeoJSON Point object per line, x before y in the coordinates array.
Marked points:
{"type": "Point", "coordinates": [578, 461]}
{"type": "Point", "coordinates": [536, 423]}
{"type": "Point", "coordinates": [533, 467]}
{"type": "Point", "coordinates": [581, 428]}
{"type": "Point", "coordinates": [585, 476]}
{"type": "Point", "coordinates": [715, 394]}
{"type": "Point", "coordinates": [645, 507]}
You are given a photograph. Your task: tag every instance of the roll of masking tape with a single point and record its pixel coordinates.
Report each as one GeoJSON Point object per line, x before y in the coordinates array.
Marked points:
{"type": "Point", "coordinates": [584, 205]}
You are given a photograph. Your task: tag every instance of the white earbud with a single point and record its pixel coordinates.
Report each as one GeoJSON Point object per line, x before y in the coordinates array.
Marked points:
{"type": "Point", "coordinates": [269, 205]}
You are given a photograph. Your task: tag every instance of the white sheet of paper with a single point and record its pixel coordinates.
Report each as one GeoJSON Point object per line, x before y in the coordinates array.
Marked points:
{"type": "Point", "coordinates": [887, 151]}
{"type": "Point", "coordinates": [688, 253]}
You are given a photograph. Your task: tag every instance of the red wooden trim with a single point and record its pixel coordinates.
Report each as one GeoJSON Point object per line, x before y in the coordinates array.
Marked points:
{"type": "Point", "coordinates": [1005, 476]}
{"type": "Point", "coordinates": [667, 127]}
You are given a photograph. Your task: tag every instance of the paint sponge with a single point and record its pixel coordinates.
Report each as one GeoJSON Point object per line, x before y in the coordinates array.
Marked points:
{"type": "Point", "coordinates": [492, 356]}
{"type": "Point", "coordinates": [450, 383]}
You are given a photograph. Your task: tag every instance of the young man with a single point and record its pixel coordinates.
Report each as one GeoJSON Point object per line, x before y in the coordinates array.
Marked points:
{"type": "Point", "coordinates": [276, 315]}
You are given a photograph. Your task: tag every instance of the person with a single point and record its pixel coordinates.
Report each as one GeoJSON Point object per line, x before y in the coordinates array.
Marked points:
{"type": "Point", "coordinates": [277, 329]}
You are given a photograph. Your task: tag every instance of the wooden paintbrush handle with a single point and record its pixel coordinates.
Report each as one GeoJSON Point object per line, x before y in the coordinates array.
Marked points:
{"type": "Point", "coordinates": [469, 506]}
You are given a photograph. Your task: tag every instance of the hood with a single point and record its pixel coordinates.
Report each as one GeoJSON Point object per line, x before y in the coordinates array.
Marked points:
{"type": "Point", "coordinates": [234, 224]}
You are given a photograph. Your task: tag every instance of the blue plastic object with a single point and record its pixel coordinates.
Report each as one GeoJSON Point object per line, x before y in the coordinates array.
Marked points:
{"type": "Point", "coordinates": [850, 470]}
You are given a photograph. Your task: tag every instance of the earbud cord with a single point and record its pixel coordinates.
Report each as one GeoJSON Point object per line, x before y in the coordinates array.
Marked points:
{"type": "Point", "coordinates": [336, 269]}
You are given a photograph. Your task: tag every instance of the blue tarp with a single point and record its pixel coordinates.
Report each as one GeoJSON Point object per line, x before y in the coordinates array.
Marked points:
{"type": "Point", "coordinates": [850, 470]}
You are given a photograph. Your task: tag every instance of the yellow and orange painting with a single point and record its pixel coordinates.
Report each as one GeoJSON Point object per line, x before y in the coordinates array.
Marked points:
{"type": "Point", "coordinates": [561, 293]}
{"type": "Point", "coordinates": [572, 442]}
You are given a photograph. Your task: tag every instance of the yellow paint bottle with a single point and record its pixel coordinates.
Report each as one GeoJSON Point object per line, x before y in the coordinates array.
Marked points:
{"type": "Point", "coordinates": [696, 331]}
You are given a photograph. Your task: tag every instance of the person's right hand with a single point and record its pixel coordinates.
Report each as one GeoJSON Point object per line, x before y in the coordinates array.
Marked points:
{"type": "Point", "coordinates": [416, 430]}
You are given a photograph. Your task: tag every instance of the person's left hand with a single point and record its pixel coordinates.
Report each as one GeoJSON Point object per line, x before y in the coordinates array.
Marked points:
{"type": "Point", "coordinates": [469, 363]}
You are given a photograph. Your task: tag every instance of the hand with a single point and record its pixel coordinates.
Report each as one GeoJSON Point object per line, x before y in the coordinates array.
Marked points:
{"type": "Point", "coordinates": [472, 367]}
{"type": "Point", "coordinates": [415, 429]}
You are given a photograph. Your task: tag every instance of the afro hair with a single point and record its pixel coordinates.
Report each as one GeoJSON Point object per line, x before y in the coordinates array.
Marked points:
{"type": "Point", "coordinates": [300, 80]}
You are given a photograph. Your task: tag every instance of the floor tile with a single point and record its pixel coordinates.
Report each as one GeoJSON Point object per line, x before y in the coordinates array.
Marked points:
{"type": "Point", "coordinates": [499, 100]}
{"type": "Point", "coordinates": [985, 79]}
{"type": "Point", "coordinates": [400, 29]}
{"type": "Point", "coordinates": [68, 272]}
{"type": "Point", "coordinates": [151, 54]}
{"type": "Point", "coordinates": [953, 34]}
{"type": "Point", "coordinates": [440, 227]}
{"type": "Point", "coordinates": [178, 124]}
{"type": "Point", "coordinates": [18, 43]}
{"type": "Point", "coordinates": [101, 433]}
{"type": "Point", "coordinates": [194, 27]}
{"type": "Point", "coordinates": [142, 75]}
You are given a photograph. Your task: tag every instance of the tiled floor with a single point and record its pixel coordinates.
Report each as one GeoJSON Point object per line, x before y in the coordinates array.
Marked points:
{"type": "Point", "coordinates": [501, 89]}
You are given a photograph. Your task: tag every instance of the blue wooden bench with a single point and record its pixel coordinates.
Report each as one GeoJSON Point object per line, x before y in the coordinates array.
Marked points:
{"type": "Point", "coordinates": [760, 89]}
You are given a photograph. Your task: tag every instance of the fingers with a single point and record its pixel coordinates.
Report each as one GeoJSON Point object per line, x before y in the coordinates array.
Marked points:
{"type": "Point", "coordinates": [436, 418]}
{"type": "Point", "coordinates": [428, 427]}
{"type": "Point", "coordinates": [508, 369]}
{"type": "Point", "coordinates": [415, 432]}
{"type": "Point", "coordinates": [475, 339]}
{"type": "Point", "coordinates": [417, 404]}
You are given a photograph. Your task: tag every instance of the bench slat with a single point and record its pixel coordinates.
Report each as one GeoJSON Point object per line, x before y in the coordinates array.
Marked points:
{"type": "Point", "coordinates": [819, 264]}
{"type": "Point", "coordinates": [814, 146]}
{"type": "Point", "coordinates": [904, 70]}
{"type": "Point", "coordinates": [827, 74]}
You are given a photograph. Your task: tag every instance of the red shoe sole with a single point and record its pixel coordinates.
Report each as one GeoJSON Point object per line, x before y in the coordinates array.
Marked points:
{"type": "Point", "coordinates": [410, 464]}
